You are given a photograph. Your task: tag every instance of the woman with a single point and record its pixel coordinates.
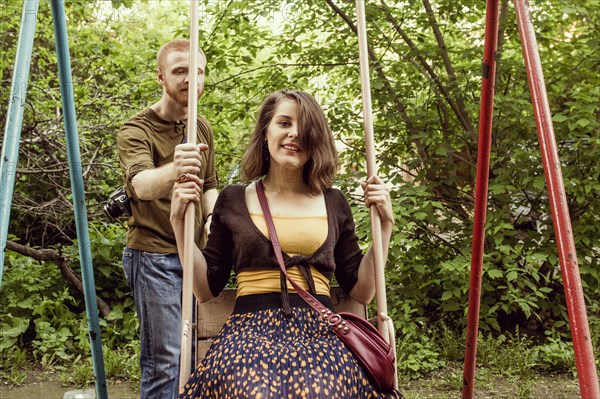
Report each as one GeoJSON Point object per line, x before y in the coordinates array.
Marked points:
{"type": "Point", "coordinates": [266, 349]}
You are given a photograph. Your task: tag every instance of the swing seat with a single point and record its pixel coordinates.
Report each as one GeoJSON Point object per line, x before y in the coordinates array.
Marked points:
{"type": "Point", "coordinates": [211, 315]}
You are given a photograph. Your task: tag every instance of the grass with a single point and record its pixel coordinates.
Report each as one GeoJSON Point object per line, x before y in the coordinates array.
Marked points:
{"type": "Point", "coordinates": [119, 365]}
{"type": "Point", "coordinates": [508, 366]}
{"type": "Point", "coordinates": [446, 383]}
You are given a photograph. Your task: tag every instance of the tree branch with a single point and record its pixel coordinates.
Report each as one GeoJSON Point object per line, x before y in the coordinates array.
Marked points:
{"type": "Point", "coordinates": [447, 63]}
{"type": "Point", "coordinates": [278, 64]}
{"type": "Point", "coordinates": [430, 173]}
{"type": "Point", "coordinates": [63, 264]}
{"type": "Point", "coordinates": [466, 124]}
{"type": "Point", "coordinates": [400, 107]}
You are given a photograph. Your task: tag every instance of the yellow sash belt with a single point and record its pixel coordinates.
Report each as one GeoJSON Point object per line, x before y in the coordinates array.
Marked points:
{"type": "Point", "coordinates": [268, 281]}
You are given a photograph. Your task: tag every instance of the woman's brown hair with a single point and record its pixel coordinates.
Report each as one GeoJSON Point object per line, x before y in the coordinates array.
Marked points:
{"type": "Point", "coordinates": [314, 136]}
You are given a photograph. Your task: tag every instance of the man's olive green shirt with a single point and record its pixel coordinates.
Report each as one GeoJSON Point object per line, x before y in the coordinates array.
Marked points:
{"type": "Point", "coordinates": [146, 142]}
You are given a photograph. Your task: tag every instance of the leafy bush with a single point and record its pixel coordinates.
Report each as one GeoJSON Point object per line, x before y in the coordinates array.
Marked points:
{"type": "Point", "coordinates": [424, 119]}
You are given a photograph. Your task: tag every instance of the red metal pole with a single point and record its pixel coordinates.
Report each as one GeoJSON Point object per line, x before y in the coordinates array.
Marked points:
{"type": "Point", "coordinates": [584, 355]}
{"type": "Point", "coordinates": [486, 112]}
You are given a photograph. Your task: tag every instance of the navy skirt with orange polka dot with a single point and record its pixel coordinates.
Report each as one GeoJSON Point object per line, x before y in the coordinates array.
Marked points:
{"type": "Point", "coordinates": [265, 355]}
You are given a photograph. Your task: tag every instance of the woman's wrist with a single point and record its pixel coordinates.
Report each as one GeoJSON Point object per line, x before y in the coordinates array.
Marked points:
{"type": "Point", "coordinates": [176, 221]}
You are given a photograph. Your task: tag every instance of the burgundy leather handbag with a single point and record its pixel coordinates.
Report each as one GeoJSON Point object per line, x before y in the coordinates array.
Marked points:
{"type": "Point", "coordinates": [371, 351]}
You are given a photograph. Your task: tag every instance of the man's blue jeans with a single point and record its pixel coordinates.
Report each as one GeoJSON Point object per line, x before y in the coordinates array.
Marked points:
{"type": "Point", "coordinates": [155, 280]}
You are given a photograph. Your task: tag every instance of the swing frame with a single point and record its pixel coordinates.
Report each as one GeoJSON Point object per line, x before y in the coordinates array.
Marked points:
{"type": "Point", "coordinates": [588, 380]}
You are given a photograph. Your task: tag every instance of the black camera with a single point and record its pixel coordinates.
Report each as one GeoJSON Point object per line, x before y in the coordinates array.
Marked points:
{"type": "Point", "coordinates": [118, 204]}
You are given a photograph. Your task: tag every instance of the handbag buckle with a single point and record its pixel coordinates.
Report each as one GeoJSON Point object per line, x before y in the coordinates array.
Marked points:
{"type": "Point", "coordinates": [336, 321]}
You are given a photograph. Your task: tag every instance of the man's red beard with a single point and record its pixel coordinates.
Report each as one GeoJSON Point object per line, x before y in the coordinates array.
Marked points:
{"type": "Point", "coordinates": [180, 96]}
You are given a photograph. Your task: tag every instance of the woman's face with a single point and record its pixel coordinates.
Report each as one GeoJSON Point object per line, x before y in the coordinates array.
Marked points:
{"type": "Point", "coordinates": [282, 137]}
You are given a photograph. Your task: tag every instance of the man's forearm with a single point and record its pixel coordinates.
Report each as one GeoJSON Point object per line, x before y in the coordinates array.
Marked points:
{"type": "Point", "coordinates": [209, 198]}
{"type": "Point", "coordinates": [151, 184]}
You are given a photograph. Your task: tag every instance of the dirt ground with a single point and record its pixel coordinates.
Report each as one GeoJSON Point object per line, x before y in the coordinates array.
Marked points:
{"type": "Point", "coordinates": [443, 384]}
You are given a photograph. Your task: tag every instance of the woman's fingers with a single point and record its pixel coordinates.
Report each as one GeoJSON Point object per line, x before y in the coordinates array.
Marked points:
{"type": "Point", "coordinates": [188, 187]}
{"type": "Point", "coordinates": [188, 194]}
{"type": "Point", "coordinates": [191, 190]}
{"type": "Point", "coordinates": [376, 199]}
{"type": "Point", "coordinates": [377, 193]}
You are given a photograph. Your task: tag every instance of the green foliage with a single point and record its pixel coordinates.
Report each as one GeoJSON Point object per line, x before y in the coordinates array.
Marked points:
{"type": "Point", "coordinates": [119, 364]}
{"type": "Point", "coordinates": [13, 362]}
{"type": "Point", "coordinates": [430, 157]}
{"type": "Point", "coordinates": [425, 120]}
{"type": "Point", "coordinates": [81, 373]}
{"type": "Point", "coordinates": [557, 355]}
{"type": "Point", "coordinates": [42, 313]}
{"type": "Point", "coordinates": [35, 299]}
{"type": "Point", "coordinates": [123, 363]}
{"type": "Point", "coordinates": [507, 355]}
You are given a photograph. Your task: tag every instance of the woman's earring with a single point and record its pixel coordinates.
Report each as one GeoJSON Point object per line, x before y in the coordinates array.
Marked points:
{"type": "Point", "coordinates": [265, 153]}
{"type": "Point", "coordinates": [266, 158]}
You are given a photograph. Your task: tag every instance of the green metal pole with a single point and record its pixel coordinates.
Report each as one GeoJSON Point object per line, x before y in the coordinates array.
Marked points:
{"type": "Point", "coordinates": [14, 121]}
{"type": "Point", "coordinates": [81, 222]}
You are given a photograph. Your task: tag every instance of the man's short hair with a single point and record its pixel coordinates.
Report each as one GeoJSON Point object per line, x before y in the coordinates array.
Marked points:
{"type": "Point", "coordinates": [173, 45]}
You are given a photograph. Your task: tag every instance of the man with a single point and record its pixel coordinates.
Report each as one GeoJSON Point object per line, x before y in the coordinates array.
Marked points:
{"type": "Point", "coordinates": [153, 153]}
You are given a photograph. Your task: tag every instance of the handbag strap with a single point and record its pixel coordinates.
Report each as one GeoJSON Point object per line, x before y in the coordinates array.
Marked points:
{"type": "Point", "coordinates": [333, 318]}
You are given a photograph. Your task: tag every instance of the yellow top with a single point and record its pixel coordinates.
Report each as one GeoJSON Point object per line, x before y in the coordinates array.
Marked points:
{"type": "Point", "coordinates": [298, 235]}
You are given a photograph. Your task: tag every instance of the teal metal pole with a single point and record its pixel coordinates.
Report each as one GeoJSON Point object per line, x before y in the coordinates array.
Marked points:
{"type": "Point", "coordinates": [14, 120]}
{"type": "Point", "coordinates": [81, 222]}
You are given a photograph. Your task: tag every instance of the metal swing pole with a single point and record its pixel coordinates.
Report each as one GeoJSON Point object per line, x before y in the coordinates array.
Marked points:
{"type": "Point", "coordinates": [580, 333]}
{"type": "Point", "coordinates": [486, 114]}
{"type": "Point", "coordinates": [584, 357]}
{"type": "Point", "coordinates": [81, 222]}
{"type": "Point", "coordinates": [384, 323]}
{"type": "Point", "coordinates": [10, 153]}
{"type": "Point", "coordinates": [14, 120]}
{"type": "Point", "coordinates": [190, 211]}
